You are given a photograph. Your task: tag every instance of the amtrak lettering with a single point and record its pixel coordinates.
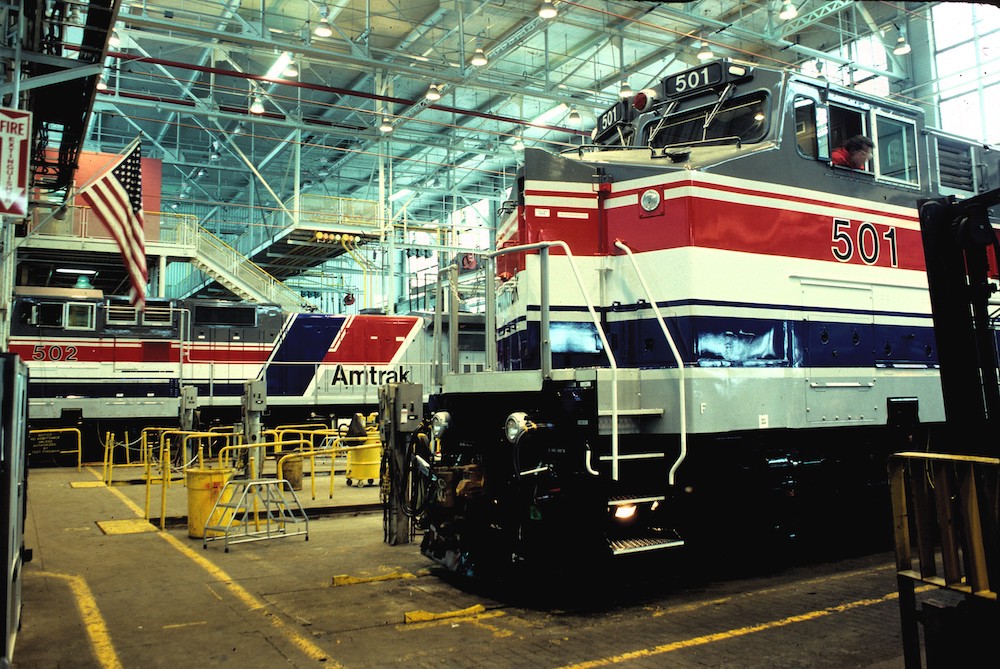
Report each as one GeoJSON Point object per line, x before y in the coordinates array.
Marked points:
{"type": "Point", "coordinates": [370, 376]}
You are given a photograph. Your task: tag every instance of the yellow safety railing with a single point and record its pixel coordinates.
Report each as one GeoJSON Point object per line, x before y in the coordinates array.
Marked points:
{"type": "Point", "coordinates": [79, 442]}
{"type": "Point", "coordinates": [333, 450]}
{"type": "Point", "coordinates": [164, 437]}
{"type": "Point", "coordinates": [225, 453]}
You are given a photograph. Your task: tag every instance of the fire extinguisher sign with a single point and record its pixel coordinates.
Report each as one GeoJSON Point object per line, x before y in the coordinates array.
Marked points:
{"type": "Point", "coordinates": [15, 150]}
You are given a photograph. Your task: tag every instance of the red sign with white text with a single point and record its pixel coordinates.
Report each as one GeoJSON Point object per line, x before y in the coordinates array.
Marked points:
{"type": "Point", "coordinates": [15, 149]}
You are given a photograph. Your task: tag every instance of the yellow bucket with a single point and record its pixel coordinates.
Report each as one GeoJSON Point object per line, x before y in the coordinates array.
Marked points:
{"type": "Point", "coordinates": [203, 489]}
{"type": "Point", "coordinates": [365, 463]}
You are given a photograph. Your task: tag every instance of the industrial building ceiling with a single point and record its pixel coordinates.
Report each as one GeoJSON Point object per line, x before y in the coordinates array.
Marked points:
{"type": "Point", "coordinates": [419, 105]}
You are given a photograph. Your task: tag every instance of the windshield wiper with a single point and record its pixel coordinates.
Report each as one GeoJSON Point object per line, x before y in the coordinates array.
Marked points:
{"type": "Point", "coordinates": [727, 93]}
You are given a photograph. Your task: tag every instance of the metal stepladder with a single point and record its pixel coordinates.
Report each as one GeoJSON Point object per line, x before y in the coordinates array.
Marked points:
{"type": "Point", "coordinates": [255, 510]}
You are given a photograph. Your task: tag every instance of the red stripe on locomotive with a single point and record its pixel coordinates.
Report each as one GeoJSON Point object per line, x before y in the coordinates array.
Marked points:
{"type": "Point", "coordinates": [369, 339]}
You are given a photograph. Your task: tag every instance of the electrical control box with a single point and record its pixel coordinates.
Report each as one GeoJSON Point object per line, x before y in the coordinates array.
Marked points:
{"type": "Point", "coordinates": [255, 395]}
{"type": "Point", "coordinates": [189, 397]}
{"type": "Point", "coordinates": [402, 406]}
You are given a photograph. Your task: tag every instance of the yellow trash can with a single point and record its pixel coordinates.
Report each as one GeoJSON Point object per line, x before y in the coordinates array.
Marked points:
{"type": "Point", "coordinates": [204, 486]}
{"type": "Point", "coordinates": [365, 463]}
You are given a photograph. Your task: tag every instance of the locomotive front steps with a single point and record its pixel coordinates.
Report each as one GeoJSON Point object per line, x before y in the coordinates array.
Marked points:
{"type": "Point", "coordinates": [643, 544]}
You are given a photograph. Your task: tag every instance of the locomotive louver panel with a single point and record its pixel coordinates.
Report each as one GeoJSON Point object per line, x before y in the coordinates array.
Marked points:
{"type": "Point", "coordinates": [955, 165]}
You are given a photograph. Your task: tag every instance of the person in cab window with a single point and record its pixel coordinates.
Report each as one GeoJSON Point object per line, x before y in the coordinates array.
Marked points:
{"type": "Point", "coordinates": [855, 153]}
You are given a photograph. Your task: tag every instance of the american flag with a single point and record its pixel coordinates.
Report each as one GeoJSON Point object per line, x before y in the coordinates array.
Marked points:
{"type": "Point", "coordinates": [116, 199]}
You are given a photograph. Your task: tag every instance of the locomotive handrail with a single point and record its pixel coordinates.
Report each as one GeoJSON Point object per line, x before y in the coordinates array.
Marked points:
{"type": "Point", "coordinates": [677, 357]}
{"type": "Point", "coordinates": [546, 353]}
{"type": "Point", "coordinates": [437, 359]}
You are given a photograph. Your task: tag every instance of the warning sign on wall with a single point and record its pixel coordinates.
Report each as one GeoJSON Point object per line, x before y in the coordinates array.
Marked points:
{"type": "Point", "coordinates": [15, 150]}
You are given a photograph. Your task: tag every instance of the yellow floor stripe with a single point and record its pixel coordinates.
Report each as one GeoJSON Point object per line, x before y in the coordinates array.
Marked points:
{"type": "Point", "coordinates": [93, 621]}
{"type": "Point", "coordinates": [345, 579]}
{"type": "Point", "coordinates": [729, 634]}
{"type": "Point", "coordinates": [426, 616]}
{"type": "Point", "coordinates": [310, 649]}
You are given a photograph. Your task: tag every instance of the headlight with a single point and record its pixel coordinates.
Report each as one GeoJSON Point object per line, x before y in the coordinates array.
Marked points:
{"type": "Point", "coordinates": [650, 199]}
{"type": "Point", "coordinates": [516, 425]}
{"type": "Point", "coordinates": [439, 423]}
{"type": "Point", "coordinates": [625, 511]}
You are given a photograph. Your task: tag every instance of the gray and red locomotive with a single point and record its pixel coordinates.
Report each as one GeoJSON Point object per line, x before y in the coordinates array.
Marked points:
{"type": "Point", "coordinates": [705, 330]}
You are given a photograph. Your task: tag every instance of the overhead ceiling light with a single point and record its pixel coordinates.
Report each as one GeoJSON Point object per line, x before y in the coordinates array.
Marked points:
{"type": "Point", "coordinates": [625, 91]}
{"type": "Point", "coordinates": [705, 52]}
{"type": "Point", "coordinates": [547, 10]}
{"type": "Point", "coordinates": [479, 57]}
{"type": "Point", "coordinates": [323, 28]}
{"type": "Point", "coordinates": [386, 126]}
{"type": "Point", "coordinates": [284, 58]}
{"type": "Point", "coordinates": [433, 93]}
{"type": "Point", "coordinates": [788, 11]}
{"type": "Point", "coordinates": [102, 85]}
{"type": "Point", "coordinates": [257, 106]}
{"type": "Point", "coordinates": [574, 116]}
{"type": "Point", "coordinates": [73, 270]}
{"type": "Point", "coordinates": [902, 46]}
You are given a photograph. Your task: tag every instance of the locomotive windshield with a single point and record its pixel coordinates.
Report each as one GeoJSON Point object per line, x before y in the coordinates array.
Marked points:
{"type": "Point", "coordinates": [738, 119]}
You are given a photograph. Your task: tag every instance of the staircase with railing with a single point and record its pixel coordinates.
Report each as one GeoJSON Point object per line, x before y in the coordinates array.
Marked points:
{"type": "Point", "coordinates": [220, 262]}
{"type": "Point", "coordinates": [176, 237]}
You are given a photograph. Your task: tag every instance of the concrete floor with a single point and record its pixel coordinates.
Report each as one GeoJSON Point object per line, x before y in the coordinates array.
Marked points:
{"type": "Point", "coordinates": [344, 598]}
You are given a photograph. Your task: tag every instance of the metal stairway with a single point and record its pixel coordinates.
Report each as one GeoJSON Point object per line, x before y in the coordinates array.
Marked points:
{"type": "Point", "coordinates": [255, 510]}
{"type": "Point", "coordinates": [224, 264]}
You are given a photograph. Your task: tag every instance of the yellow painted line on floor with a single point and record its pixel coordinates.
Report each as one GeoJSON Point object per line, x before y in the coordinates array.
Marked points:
{"type": "Point", "coordinates": [694, 606]}
{"type": "Point", "coordinates": [93, 621]}
{"type": "Point", "coordinates": [476, 620]}
{"type": "Point", "coordinates": [183, 625]}
{"type": "Point", "coordinates": [345, 579]}
{"type": "Point", "coordinates": [310, 649]}
{"type": "Point", "coordinates": [730, 634]}
{"type": "Point", "coordinates": [427, 616]}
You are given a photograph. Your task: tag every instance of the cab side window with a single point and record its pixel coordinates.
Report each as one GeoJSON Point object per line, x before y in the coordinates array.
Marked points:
{"type": "Point", "coordinates": [80, 316]}
{"type": "Point", "coordinates": [846, 123]}
{"type": "Point", "coordinates": [896, 149]}
{"type": "Point", "coordinates": [805, 127]}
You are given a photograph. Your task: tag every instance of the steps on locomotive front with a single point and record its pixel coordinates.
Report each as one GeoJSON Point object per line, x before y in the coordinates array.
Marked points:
{"type": "Point", "coordinates": [647, 539]}
{"type": "Point", "coordinates": [643, 544]}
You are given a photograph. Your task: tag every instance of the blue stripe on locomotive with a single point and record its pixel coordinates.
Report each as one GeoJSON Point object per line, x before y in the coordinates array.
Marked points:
{"type": "Point", "coordinates": [709, 341]}
{"type": "Point", "coordinates": [294, 363]}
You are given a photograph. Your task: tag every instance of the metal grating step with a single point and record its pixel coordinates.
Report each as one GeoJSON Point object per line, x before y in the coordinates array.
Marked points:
{"type": "Point", "coordinates": [641, 544]}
